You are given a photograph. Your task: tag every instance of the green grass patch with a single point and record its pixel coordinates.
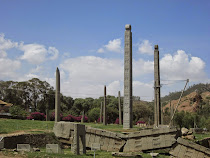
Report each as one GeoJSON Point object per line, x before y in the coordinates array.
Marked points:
{"type": "Point", "coordinates": [14, 125]}
{"type": "Point", "coordinates": [201, 136]}
{"type": "Point", "coordinates": [68, 153]}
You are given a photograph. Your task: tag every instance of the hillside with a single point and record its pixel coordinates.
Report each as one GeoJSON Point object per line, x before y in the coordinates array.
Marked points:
{"type": "Point", "coordinates": [198, 87]}
{"type": "Point", "coordinates": [191, 102]}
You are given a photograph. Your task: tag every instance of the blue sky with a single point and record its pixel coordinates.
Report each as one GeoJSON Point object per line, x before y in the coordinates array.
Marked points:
{"type": "Point", "coordinates": [85, 40]}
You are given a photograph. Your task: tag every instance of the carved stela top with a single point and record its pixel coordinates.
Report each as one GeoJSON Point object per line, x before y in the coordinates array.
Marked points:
{"type": "Point", "coordinates": [156, 47]}
{"type": "Point", "coordinates": [128, 26]}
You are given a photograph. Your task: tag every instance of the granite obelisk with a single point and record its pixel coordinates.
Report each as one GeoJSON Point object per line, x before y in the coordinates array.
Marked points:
{"type": "Point", "coordinates": [57, 96]}
{"type": "Point", "coordinates": [101, 112]}
{"type": "Point", "coordinates": [120, 111]}
{"type": "Point", "coordinates": [105, 114]}
{"type": "Point", "coordinates": [128, 107]}
{"type": "Point", "coordinates": [157, 105]}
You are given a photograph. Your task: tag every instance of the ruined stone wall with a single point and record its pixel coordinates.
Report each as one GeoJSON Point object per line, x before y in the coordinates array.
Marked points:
{"type": "Point", "coordinates": [185, 149]}
{"type": "Point", "coordinates": [112, 141]}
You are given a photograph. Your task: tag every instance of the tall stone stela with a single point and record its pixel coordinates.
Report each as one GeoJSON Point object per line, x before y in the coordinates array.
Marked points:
{"type": "Point", "coordinates": [105, 113]}
{"type": "Point", "coordinates": [128, 107]}
{"type": "Point", "coordinates": [57, 96]}
{"type": "Point", "coordinates": [157, 102]}
{"type": "Point", "coordinates": [120, 112]}
{"type": "Point", "coordinates": [101, 112]}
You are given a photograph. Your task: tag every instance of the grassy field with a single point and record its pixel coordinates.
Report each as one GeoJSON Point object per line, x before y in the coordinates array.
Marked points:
{"type": "Point", "coordinates": [67, 153]}
{"type": "Point", "coordinates": [13, 125]}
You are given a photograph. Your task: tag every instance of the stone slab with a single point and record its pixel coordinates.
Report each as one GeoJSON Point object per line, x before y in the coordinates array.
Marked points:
{"type": "Point", "coordinates": [53, 148]}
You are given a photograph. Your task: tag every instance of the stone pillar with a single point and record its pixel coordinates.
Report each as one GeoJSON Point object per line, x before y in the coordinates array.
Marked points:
{"type": "Point", "coordinates": [120, 112]}
{"type": "Point", "coordinates": [57, 97]}
{"type": "Point", "coordinates": [101, 112]}
{"type": "Point", "coordinates": [47, 115]}
{"type": "Point", "coordinates": [83, 116]}
{"type": "Point", "coordinates": [105, 114]}
{"type": "Point", "coordinates": [79, 140]}
{"type": "Point", "coordinates": [128, 107]}
{"type": "Point", "coordinates": [157, 108]}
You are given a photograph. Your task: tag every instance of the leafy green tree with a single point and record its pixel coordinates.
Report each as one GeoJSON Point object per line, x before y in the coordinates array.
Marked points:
{"type": "Point", "coordinates": [18, 112]}
{"type": "Point", "coordinates": [93, 114]}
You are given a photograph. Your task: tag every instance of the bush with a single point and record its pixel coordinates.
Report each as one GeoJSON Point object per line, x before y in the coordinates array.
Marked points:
{"type": "Point", "coordinates": [18, 112]}
{"type": "Point", "coordinates": [74, 118]}
{"type": "Point", "coordinates": [52, 116]}
{"type": "Point", "coordinates": [36, 116]}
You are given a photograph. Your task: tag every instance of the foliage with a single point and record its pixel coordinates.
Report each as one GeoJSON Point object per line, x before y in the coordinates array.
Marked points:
{"type": "Point", "coordinates": [93, 114]}
{"type": "Point", "coordinates": [74, 118]}
{"type": "Point", "coordinates": [36, 116]}
{"type": "Point", "coordinates": [18, 112]}
{"type": "Point", "coordinates": [52, 116]}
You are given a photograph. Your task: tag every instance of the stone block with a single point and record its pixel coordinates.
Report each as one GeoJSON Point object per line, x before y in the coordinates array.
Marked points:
{"type": "Point", "coordinates": [182, 151]}
{"type": "Point", "coordinates": [53, 148]}
{"type": "Point", "coordinates": [98, 132]}
{"type": "Point", "coordinates": [24, 147]}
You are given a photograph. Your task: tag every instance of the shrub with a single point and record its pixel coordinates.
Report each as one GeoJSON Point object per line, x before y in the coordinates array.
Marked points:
{"type": "Point", "coordinates": [74, 118]}
{"type": "Point", "coordinates": [36, 116]}
{"type": "Point", "coordinates": [18, 112]}
{"type": "Point", "coordinates": [52, 116]}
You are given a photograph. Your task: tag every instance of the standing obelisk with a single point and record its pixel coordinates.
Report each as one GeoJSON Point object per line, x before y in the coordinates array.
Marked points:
{"type": "Point", "coordinates": [105, 114]}
{"type": "Point", "coordinates": [57, 96]}
{"type": "Point", "coordinates": [128, 107]}
{"type": "Point", "coordinates": [157, 108]}
{"type": "Point", "coordinates": [119, 104]}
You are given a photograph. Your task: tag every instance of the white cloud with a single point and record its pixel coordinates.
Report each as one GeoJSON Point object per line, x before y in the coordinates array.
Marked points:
{"type": "Point", "coordinates": [54, 52]}
{"type": "Point", "coordinates": [30, 76]}
{"type": "Point", "coordinates": [144, 90]}
{"type": "Point", "coordinates": [3, 54]}
{"type": "Point", "coordinates": [33, 53]}
{"type": "Point", "coordinates": [100, 50]}
{"type": "Point", "coordinates": [87, 75]}
{"type": "Point", "coordinates": [142, 67]}
{"type": "Point", "coordinates": [37, 53]}
{"type": "Point", "coordinates": [8, 68]}
{"type": "Point", "coordinates": [182, 66]}
{"type": "Point", "coordinates": [93, 69]}
{"type": "Point", "coordinates": [146, 48]}
{"type": "Point", "coordinates": [113, 88]}
{"type": "Point", "coordinates": [6, 44]}
{"type": "Point", "coordinates": [112, 46]}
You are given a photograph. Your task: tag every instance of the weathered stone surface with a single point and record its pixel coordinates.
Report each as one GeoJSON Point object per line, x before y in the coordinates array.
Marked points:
{"type": "Point", "coordinates": [190, 137]}
{"type": "Point", "coordinates": [127, 106]}
{"type": "Point", "coordinates": [157, 106]}
{"type": "Point", "coordinates": [185, 148]}
{"type": "Point", "coordinates": [76, 131]}
{"type": "Point", "coordinates": [150, 139]}
{"type": "Point", "coordinates": [184, 131]}
{"type": "Point", "coordinates": [57, 97]}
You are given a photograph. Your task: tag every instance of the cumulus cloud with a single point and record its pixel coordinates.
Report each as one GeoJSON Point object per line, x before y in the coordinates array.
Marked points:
{"type": "Point", "coordinates": [54, 52]}
{"type": "Point", "coordinates": [100, 50]}
{"type": "Point", "coordinates": [6, 44]}
{"type": "Point", "coordinates": [33, 53]}
{"type": "Point", "coordinates": [146, 48]}
{"type": "Point", "coordinates": [112, 46]}
{"type": "Point", "coordinates": [182, 66]}
{"type": "Point", "coordinates": [8, 68]}
{"type": "Point", "coordinates": [87, 75]}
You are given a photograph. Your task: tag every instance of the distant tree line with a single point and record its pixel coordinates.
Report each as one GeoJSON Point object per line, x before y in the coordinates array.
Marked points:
{"type": "Point", "coordinates": [36, 96]}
